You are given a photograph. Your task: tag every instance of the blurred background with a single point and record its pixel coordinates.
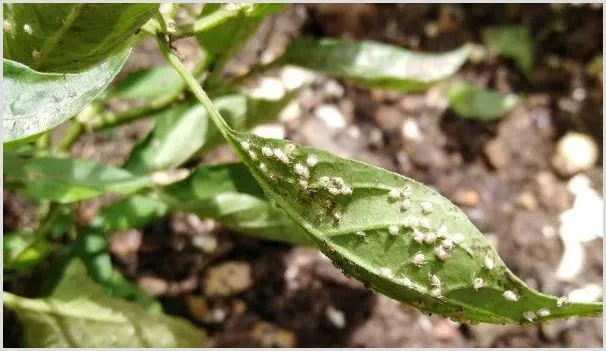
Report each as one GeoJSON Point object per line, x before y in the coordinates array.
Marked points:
{"type": "Point", "coordinates": [530, 180]}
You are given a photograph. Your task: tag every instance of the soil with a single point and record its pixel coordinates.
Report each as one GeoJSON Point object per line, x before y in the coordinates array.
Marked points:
{"type": "Point", "coordinates": [500, 173]}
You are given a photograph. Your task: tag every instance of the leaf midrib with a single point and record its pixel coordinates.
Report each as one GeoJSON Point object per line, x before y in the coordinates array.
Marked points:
{"type": "Point", "coordinates": [50, 43]}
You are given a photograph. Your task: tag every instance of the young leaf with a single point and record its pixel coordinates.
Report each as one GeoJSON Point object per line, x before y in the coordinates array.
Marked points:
{"type": "Point", "coordinates": [394, 234]}
{"type": "Point", "coordinates": [481, 104]}
{"type": "Point", "coordinates": [375, 64]}
{"type": "Point", "coordinates": [35, 102]}
{"type": "Point", "coordinates": [66, 180]}
{"type": "Point", "coordinates": [21, 250]}
{"type": "Point", "coordinates": [80, 314]}
{"type": "Point", "coordinates": [230, 195]}
{"type": "Point", "coordinates": [149, 83]}
{"type": "Point", "coordinates": [183, 130]}
{"type": "Point", "coordinates": [69, 37]}
{"type": "Point", "coordinates": [514, 42]}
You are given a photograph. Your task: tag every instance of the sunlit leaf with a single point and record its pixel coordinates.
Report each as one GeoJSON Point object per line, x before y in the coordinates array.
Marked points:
{"type": "Point", "coordinates": [375, 64]}
{"type": "Point", "coordinates": [513, 41]}
{"type": "Point", "coordinates": [481, 104]}
{"type": "Point", "coordinates": [80, 314]}
{"type": "Point", "coordinates": [21, 250]}
{"type": "Point", "coordinates": [69, 37]}
{"type": "Point", "coordinates": [149, 83]}
{"type": "Point", "coordinates": [35, 102]}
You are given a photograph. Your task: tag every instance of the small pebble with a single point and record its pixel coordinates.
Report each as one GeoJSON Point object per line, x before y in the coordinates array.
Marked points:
{"type": "Point", "coordinates": [575, 152]}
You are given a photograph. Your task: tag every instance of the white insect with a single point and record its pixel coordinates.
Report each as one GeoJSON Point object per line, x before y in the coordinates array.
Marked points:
{"type": "Point", "coordinates": [543, 312]}
{"type": "Point", "coordinates": [393, 229]}
{"type": "Point", "coordinates": [418, 259]}
{"type": "Point", "coordinates": [406, 205]}
{"type": "Point", "coordinates": [407, 191]}
{"type": "Point", "coordinates": [337, 215]}
{"type": "Point", "coordinates": [245, 145]}
{"type": "Point", "coordinates": [436, 292]}
{"type": "Point", "coordinates": [562, 300]}
{"type": "Point", "coordinates": [441, 253]}
{"type": "Point", "coordinates": [529, 316]}
{"type": "Point", "coordinates": [267, 151]}
{"type": "Point", "coordinates": [447, 244]}
{"type": "Point", "coordinates": [290, 148]}
{"type": "Point", "coordinates": [8, 26]}
{"type": "Point", "coordinates": [360, 233]}
{"type": "Point", "coordinates": [252, 154]}
{"type": "Point", "coordinates": [303, 183]}
{"type": "Point", "coordinates": [435, 281]}
{"type": "Point", "coordinates": [430, 238]}
{"type": "Point", "coordinates": [427, 207]}
{"type": "Point", "coordinates": [393, 194]}
{"type": "Point", "coordinates": [510, 295]}
{"type": "Point", "coordinates": [488, 263]}
{"type": "Point", "coordinates": [263, 167]}
{"type": "Point", "coordinates": [442, 231]}
{"type": "Point", "coordinates": [346, 191]}
{"type": "Point", "coordinates": [424, 223]}
{"type": "Point", "coordinates": [478, 283]}
{"type": "Point", "coordinates": [324, 181]}
{"type": "Point", "coordinates": [311, 160]}
{"type": "Point", "coordinates": [280, 155]}
{"type": "Point", "coordinates": [301, 170]}
{"type": "Point", "coordinates": [334, 191]}
{"type": "Point", "coordinates": [418, 237]}
{"type": "Point", "coordinates": [28, 29]}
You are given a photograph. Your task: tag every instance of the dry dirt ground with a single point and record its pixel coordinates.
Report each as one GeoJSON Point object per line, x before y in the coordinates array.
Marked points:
{"type": "Point", "coordinates": [500, 173]}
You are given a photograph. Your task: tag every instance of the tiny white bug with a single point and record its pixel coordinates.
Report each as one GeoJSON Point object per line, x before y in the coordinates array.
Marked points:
{"type": "Point", "coordinates": [441, 253]}
{"type": "Point", "coordinates": [427, 207]}
{"type": "Point", "coordinates": [529, 316]}
{"type": "Point", "coordinates": [338, 180]}
{"type": "Point", "coordinates": [252, 154]}
{"type": "Point", "coordinates": [360, 233]}
{"type": "Point", "coordinates": [393, 229]}
{"type": "Point", "coordinates": [435, 281]}
{"type": "Point", "coordinates": [28, 29]}
{"type": "Point", "coordinates": [267, 151]}
{"type": "Point", "coordinates": [245, 145]}
{"type": "Point", "coordinates": [324, 181]}
{"type": "Point", "coordinates": [393, 194]}
{"type": "Point", "coordinates": [263, 167]}
{"type": "Point", "coordinates": [478, 283]}
{"type": "Point", "coordinates": [407, 191]}
{"type": "Point", "coordinates": [430, 238]}
{"type": "Point", "coordinates": [311, 160]}
{"type": "Point", "coordinates": [346, 191]}
{"type": "Point", "coordinates": [418, 237]}
{"type": "Point", "coordinates": [337, 215]}
{"type": "Point", "coordinates": [543, 312]}
{"type": "Point", "coordinates": [280, 155]}
{"type": "Point", "coordinates": [406, 205]}
{"type": "Point", "coordinates": [436, 292]}
{"type": "Point", "coordinates": [290, 148]}
{"type": "Point", "coordinates": [272, 177]}
{"type": "Point", "coordinates": [488, 263]}
{"type": "Point", "coordinates": [447, 244]}
{"type": "Point", "coordinates": [562, 300]}
{"type": "Point", "coordinates": [303, 183]}
{"type": "Point", "coordinates": [418, 259]}
{"type": "Point", "coordinates": [510, 295]}
{"type": "Point", "coordinates": [334, 191]}
{"type": "Point", "coordinates": [301, 171]}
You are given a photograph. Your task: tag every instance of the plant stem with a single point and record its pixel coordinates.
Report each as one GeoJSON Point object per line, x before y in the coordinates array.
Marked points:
{"type": "Point", "coordinates": [217, 18]}
{"type": "Point", "coordinates": [72, 134]}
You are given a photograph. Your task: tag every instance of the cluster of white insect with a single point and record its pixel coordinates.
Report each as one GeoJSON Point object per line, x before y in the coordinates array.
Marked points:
{"type": "Point", "coordinates": [562, 300]}
{"type": "Point", "coordinates": [403, 194]}
{"type": "Point", "coordinates": [529, 315]}
{"type": "Point", "coordinates": [335, 185]}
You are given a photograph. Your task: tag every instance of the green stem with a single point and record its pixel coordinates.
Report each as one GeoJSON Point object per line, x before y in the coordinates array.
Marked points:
{"type": "Point", "coordinates": [72, 134]}
{"type": "Point", "coordinates": [213, 20]}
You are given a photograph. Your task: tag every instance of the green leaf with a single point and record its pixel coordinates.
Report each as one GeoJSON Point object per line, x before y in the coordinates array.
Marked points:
{"type": "Point", "coordinates": [513, 41]}
{"type": "Point", "coordinates": [35, 102]}
{"type": "Point", "coordinates": [21, 250]}
{"type": "Point", "coordinates": [70, 37]}
{"type": "Point", "coordinates": [182, 131]}
{"type": "Point", "coordinates": [481, 104]}
{"type": "Point", "coordinates": [229, 194]}
{"type": "Point", "coordinates": [149, 83]}
{"type": "Point", "coordinates": [66, 180]}
{"type": "Point", "coordinates": [366, 220]}
{"type": "Point", "coordinates": [80, 314]}
{"type": "Point", "coordinates": [134, 211]}
{"type": "Point", "coordinates": [373, 64]}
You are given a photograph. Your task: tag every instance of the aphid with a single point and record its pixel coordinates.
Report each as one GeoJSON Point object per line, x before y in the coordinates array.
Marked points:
{"type": "Point", "coordinates": [424, 223]}
{"type": "Point", "coordinates": [543, 312]}
{"type": "Point", "coordinates": [430, 237]}
{"type": "Point", "coordinates": [337, 215]}
{"type": "Point", "coordinates": [245, 145]}
{"type": "Point", "coordinates": [334, 191]}
{"type": "Point", "coordinates": [488, 263]}
{"type": "Point", "coordinates": [406, 205]}
{"type": "Point", "coordinates": [562, 300]}
{"type": "Point", "coordinates": [28, 29]}
{"type": "Point", "coordinates": [311, 160]}
{"type": "Point", "coordinates": [280, 155]}
{"type": "Point", "coordinates": [407, 191]}
{"type": "Point", "coordinates": [478, 283]}
{"type": "Point", "coordinates": [436, 292]}
{"type": "Point", "coordinates": [346, 191]}
{"type": "Point", "coordinates": [435, 281]}
{"type": "Point", "coordinates": [267, 151]}
{"type": "Point", "coordinates": [427, 207]}
{"type": "Point", "coordinates": [302, 171]}
{"type": "Point", "coordinates": [407, 282]}
{"type": "Point", "coordinates": [386, 271]}
{"type": "Point", "coordinates": [418, 237]}
{"type": "Point", "coordinates": [252, 154]}
{"type": "Point", "coordinates": [418, 259]}
{"type": "Point", "coordinates": [447, 244]}
{"type": "Point", "coordinates": [360, 233]}
{"type": "Point", "coordinates": [393, 229]}
{"type": "Point", "coordinates": [290, 148]}
{"type": "Point", "coordinates": [529, 316]}
{"type": "Point", "coordinates": [441, 253]}
{"type": "Point", "coordinates": [303, 183]}
{"type": "Point", "coordinates": [324, 181]}
{"type": "Point", "coordinates": [393, 194]}
{"type": "Point", "coordinates": [510, 295]}
{"type": "Point", "coordinates": [263, 167]}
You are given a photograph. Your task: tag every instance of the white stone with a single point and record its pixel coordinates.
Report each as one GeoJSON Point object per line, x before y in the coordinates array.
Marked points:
{"type": "Point", "coordinates": [410, 130]}
{"type": "Point", "coordinates": [294, 77]}
{"type": "Point", "coordinates": [267, 88]}
{"type": "Point", "coordinates": [336, 317]}
{"type": "Point", "coordinates": [291, 112]}
{"type": "Point", "coordinates": [575, 152]}
{"type": "Point", "coordinates": [587, 293]}
{"type": "Point", "coordinates": [334, 89]}
{"type": "Point", "coordinates": [331, 116]}
{"type": "Point", "coordinates": [270, 130]}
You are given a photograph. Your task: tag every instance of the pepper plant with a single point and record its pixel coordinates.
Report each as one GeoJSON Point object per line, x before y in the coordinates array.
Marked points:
{"type": "Point", "coordinates": [394, 234]}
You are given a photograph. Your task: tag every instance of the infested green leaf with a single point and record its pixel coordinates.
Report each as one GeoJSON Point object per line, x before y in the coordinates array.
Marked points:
{"type": "Point", "coordinates": [470, 102]}
{"type": "Point", "coordinates": [35, 102]}
{"type": "Point", "coordinates": [66, 180]}
{"type": "Point", "coordinates": [183, 130]}
{"type": "Point", "coordinates": [80, 314]}
{"type": "Point", "coordinates": [69, 37]}
{"type": "Point", "coordinates": [513, 41]}
{"type": "Point", "coordinates": [370, 222]}
{"type": "Point", "coordinates": [21, 250]}
{"type": "Point", "coordinates": [375, 64]}
{"type": "Point", "coordinates": [230, 195]}
{"type": "Point", "coordinates": [149, 83]}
